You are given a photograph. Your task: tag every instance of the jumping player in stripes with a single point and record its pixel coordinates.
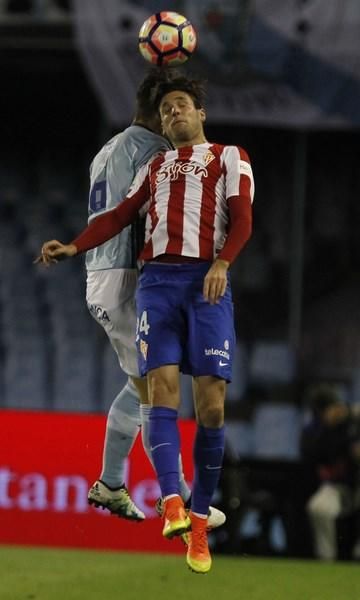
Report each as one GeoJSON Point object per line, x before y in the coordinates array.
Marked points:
{"type": "Point", "coordinates": [198, 200]}
{"type": "Point", "coordinates": [111, 283]}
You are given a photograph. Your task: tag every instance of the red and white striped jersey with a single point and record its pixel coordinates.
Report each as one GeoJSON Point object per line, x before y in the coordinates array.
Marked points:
{"type": "Point", "coordinates": [188, 189]}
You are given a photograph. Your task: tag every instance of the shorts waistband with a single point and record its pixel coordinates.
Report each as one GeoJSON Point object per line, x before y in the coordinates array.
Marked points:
{"type": "Point", "coordinates": [177, 259]}
{"type": "Point", "coordinates": [161, 267]}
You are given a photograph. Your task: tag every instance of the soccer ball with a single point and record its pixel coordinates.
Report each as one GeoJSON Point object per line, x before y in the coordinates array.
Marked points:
{"type": "Point", "coordinates": [167, 39]}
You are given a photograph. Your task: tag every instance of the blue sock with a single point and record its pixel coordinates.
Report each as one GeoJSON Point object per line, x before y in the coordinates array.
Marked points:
{"type": "Point", "coordinates": [208, 456]}
{"type": "Point", "coordinates": [165, 446]}
{"type": "Point", "coordinates": [145, 410]}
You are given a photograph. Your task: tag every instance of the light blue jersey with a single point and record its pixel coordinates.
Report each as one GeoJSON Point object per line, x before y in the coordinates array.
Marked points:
{"type": "Point", "coordinates": [111, 174]}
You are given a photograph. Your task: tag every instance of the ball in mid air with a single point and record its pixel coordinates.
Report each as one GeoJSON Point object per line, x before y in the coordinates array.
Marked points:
{"type": "Point", "coordinates": [167, 39]}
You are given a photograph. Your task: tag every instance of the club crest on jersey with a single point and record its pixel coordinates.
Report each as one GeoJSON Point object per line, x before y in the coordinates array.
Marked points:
{"type": "Point", "coordinates": [208, 157]}
{"type": "Point", "coordinates": [175, 169]}
{"type": "Point", "coordinates": [144, 348]}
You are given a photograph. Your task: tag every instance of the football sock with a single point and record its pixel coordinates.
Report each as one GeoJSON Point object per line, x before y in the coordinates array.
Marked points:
{"type": "Point", "coordinates": [185, 491]}
{"type": "Point", "coordinates": [208, 456]}
{"type": "Point", "coordinates": [145, 409]}
{"type": "Point", "coordinates": [145, 428]}
{"type": "Point", "coordinates": [165, 445]}
{"type": "Point", "coordinates": [122, 427]}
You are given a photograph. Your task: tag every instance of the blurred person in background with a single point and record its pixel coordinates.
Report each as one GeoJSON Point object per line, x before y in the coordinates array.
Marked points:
{"type": "Point", "coordinates": [330, 444]}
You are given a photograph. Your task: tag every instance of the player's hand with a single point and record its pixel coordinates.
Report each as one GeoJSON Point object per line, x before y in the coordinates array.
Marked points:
{"type": "Point", "coordinates": [53, 251]}
{"type": "Point", "coordinates": [215, 281]}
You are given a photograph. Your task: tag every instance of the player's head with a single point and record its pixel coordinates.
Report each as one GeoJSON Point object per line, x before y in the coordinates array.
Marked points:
{"type": "Point", "coordinates": [180, 102]}
{"type": "Point", "coordinates": [146, 113]}
{"type": "Point", "coordinates": [170, 80]}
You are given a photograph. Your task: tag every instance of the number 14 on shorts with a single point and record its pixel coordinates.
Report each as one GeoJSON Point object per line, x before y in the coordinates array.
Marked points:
{"type": "Point", "coordinates": [142, 325]}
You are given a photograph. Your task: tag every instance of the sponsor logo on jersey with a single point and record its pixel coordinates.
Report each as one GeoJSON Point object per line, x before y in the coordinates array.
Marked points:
{"type": "Point", "coordinates": [144, 348]}
{"type": "Point", "coordinates": [175, 169]}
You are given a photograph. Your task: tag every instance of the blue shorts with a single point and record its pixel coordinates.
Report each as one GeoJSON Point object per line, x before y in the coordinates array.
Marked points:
{"type": "Point", "coordinates": [176, 326]}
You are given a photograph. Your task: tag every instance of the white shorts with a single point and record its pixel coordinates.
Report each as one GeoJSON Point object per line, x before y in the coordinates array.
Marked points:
{"type": "Point", "coordinates": [110, 297]}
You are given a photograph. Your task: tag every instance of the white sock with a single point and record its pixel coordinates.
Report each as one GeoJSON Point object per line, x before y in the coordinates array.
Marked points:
{"type": "Point", "coordinates": [122, 428]}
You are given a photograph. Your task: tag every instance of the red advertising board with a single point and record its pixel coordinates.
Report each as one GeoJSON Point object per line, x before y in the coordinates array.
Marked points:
{"type": "Point", "coordinates": [48, 462]}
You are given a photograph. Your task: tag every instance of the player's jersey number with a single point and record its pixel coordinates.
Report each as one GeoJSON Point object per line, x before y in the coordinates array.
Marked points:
{"type": "Point", "coordinates": [142, 325]}
{"type": "Point", "coordinates": [97, 200]}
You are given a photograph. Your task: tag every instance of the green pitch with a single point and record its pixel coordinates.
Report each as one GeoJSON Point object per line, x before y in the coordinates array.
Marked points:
{"type": "Point", "coordinates": [47, 574]}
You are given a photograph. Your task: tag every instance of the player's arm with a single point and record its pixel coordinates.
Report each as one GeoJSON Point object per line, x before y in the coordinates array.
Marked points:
{"type": "Point", "coordinates": [100, 230]}
{"type": "Point", "coordinates": [215, 281]}
{"type": "Point", "coordinates": [240, 185]}
{"type": "Point", "coordinates": [240, 227]}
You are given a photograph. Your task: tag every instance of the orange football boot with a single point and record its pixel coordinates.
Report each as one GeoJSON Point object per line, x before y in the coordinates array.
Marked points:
{"type": "Point", "coordinates": [176, 521]}
{"type": "Point", "coordinates": [198, 556]}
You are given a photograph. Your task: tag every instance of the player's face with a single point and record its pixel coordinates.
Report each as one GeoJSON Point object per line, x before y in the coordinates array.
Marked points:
{"type": "Point", "coordinates": [181, 121]}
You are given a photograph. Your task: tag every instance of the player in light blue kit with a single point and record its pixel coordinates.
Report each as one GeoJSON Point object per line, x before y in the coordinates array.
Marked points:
{"type": "Point", "coordinates": [111, 283]}
{"type": "Point", "coordinates": [110, 294]}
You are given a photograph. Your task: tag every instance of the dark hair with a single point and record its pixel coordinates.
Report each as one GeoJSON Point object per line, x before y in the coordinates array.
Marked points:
{"type": "Point", "coordinates": [160, 81]}
{"type": "Point", "coordinates": [144, 96]}
{"type": "Point", "coordinates": [170, 80]}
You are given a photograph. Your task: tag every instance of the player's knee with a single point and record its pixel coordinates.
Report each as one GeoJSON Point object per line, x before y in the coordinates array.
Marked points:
{"type": "Point", "coordinates": [211, 414]}
{"type": "Point", "coordinates": [210, 402]}
{"type": "Point", "coordinates": [140, 384]}
{"type": "Point", "coordinates": [164, 392]}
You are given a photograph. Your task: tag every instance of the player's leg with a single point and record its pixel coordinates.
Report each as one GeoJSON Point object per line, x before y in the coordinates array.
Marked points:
{"type": "Point", "coordinates": [145, 408]}
{"type": "Point", "coordinates": [165, 445]}
{"type": "Point", "coordinates": [209, 440]}
{"type": "Point", "coordinates": [210, 349]}
{"type": "Point", "coordinates": [111, 301]}
{"type": "Point", "coordinates": [110, 298]}
{"type": "Point", "coordinates": [208, 455]}
{"type": "Point", "coordinates": [159, 349]}
{"type": "Point", "coordinates": [216, 517]}
{"type": "Point", "coordinates": [185, 491]}
{"type": "Point", "coordinates": [122, 427]}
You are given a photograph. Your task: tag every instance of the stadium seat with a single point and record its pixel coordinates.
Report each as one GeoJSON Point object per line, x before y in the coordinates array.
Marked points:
{"type": "Point", "coordinates": [25, 378]}
{"type": "Point", "coordinates": [75, 378]}
{"type": "Point", "coordinates": [236, 389]}
{"type": "Point", "coordinates": [271, 362]}
{"type": "Point", "coordinates": [276, 431]}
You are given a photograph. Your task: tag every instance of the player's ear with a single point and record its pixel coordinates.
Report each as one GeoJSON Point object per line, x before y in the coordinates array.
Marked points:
{"type": "Point", "coordinates": [202, 114]}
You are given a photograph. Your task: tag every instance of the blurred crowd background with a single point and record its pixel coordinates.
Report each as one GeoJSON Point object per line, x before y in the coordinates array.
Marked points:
{"type": "Point", "coordinates": [296, 285]}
